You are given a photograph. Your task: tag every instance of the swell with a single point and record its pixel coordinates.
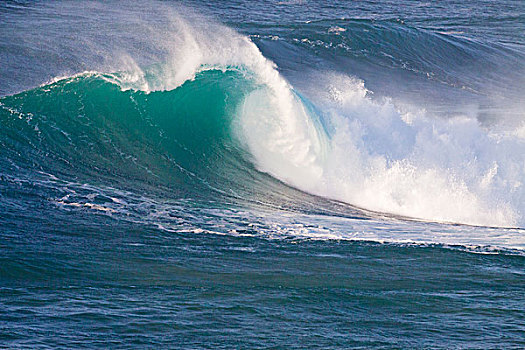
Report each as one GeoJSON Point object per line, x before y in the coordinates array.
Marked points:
{"type": "Point", "coordinates": [397, 60]}
{"type": "Point", "coordinates": [213, 115]}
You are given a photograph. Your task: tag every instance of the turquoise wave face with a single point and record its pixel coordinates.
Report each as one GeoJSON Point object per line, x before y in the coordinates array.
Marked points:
{"type": "Point", "coordinates": [88, 128]}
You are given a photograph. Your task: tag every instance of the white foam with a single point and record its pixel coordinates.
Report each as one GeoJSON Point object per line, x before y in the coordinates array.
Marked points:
{"type": "Point", "coordinates": [385, 160]}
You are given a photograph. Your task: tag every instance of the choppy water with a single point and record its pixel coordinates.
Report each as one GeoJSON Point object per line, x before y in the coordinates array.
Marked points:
{"type": "Point", "coordinates": [272, 174]}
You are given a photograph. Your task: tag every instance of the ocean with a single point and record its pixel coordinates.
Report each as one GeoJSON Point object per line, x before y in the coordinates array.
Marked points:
{"type": "Point", "coordinates": [262, 174]}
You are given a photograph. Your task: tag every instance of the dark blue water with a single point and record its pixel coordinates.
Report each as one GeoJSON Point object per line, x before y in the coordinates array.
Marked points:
{"type": "Point", "coordinates": [272, 174]}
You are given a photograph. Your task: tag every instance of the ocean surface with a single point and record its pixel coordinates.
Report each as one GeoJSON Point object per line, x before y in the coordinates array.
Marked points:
{"type": "Point", "coordinates": [262, 174]}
